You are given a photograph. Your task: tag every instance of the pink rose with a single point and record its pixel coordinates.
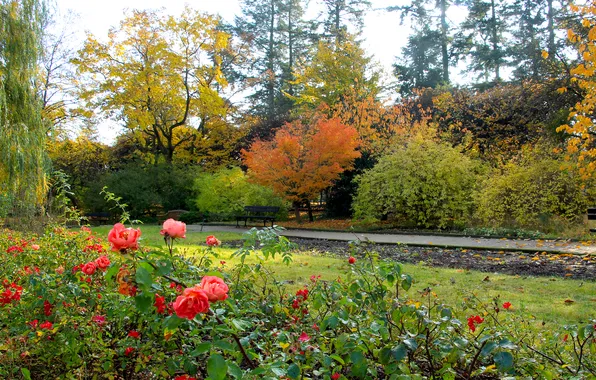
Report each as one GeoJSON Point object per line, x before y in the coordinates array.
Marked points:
{"type": "Point", "coordinates": [192, 302]}
{"type": "Point", "coordinates": [35, 247]}
{"type": "Point", "coordinates": [122, 238]}
{"type": "Point", "coordinates": [174, 229]}
{"type": "Point", "coordinates": [102, 262]}
{"type": "Point", "coordinates": [89, 268]}
{"type": "Point", "coordinates": [215, 288]}
{"type": "Point", "coordinates": [60, 269]}
{"type": "Point", "coordinates": [212, 241]}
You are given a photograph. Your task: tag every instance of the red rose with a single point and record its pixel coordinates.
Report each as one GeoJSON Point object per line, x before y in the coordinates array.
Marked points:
{"type": "Point", "coordinates": [335, 376]}
{"type": "Point", "coordinates": [352, 260]}
{"type": "Point", "coordinates": [134, 334]}
{"type": "Point", "coordinates": [473, 321]}
{"type": "Point", "coordinates": [89, 268]}
{"type": "Point", "coordinates": [122, 238]}
{"type": "Point", "coordinates": [192, 302]}
{"type": "Point", "coordinates": [184, 377]}
{"type": "Point", "coordinates": [304, 337]}
{"type": "Point", "coordinates": [99, 319]}
{"type": "Point", "coordinates": [47, 325]}
{"type": "Point", "coordinates": [47, 308]}
{"type": "Point", "coordinates": [506, 305]}
{"type": "Point", "coordinates": [102, 262]}
{"type": "Point", "coordinates": [128, 351]}
{"type": "Point", "coordinates": [174, 229]}
{"type": "Point", "coordinates": [215, 288]}
{"type": "Point", "coordinates": [160, 304]}
{"type": "Point", "coordinates": [302, 293]}
{"type": "Point", "coordinates": [212, 241]}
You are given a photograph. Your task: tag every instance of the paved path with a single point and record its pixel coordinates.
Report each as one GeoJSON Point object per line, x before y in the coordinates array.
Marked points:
{"type": "Point", "coordinates": [552, 246]}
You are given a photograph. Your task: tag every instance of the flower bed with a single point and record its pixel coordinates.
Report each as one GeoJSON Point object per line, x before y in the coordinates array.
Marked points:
{"type": "Point", "coordinates": [73, 306]}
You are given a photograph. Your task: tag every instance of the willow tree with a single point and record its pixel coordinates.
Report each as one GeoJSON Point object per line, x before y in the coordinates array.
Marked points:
{"type": "Point", "coordinates": [22, 136]}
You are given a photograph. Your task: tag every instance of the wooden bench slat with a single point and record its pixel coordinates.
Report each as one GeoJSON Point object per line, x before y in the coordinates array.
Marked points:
{"type": "Point", "coordinates": [264, 213]}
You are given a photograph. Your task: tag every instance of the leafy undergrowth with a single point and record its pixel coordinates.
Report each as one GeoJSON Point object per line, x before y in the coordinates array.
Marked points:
{"type": "Point", "coordinates": [70, 309]}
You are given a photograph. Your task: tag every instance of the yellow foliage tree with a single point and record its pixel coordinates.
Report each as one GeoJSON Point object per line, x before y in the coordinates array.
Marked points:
{"type": "Point", "coordinates": [581, 128]}
{"type": "Point", "coordinates": [160, 76]}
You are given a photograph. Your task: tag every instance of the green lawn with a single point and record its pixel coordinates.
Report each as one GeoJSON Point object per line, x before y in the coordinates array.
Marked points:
{"type": "Point", "coordinates": [150, 236]}
{"type": "Point", "coordinates": [540, 297]}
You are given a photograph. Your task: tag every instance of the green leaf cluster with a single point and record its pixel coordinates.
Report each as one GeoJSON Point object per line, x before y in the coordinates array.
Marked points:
{"type": "Point", "coordinates": [427, 183]}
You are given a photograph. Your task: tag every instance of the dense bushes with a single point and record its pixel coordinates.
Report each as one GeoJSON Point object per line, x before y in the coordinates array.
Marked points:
{"type": "Point", "coordinates": [69, 309]}
{"type": "Point", "coordinates": [147, 191]}
{"type": "Point", "coordinates": [533, 194]}
{"type": "Point", "coordinates": [223, 194]}
{"type": "Point", "coordinates": [426, 183]}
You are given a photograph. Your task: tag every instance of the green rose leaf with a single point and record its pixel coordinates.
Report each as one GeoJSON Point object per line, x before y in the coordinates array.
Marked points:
{"type": "Point", "coordinates": [217, 367]}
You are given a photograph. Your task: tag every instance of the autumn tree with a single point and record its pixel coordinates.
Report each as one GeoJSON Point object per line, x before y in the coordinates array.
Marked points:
{"type": "Point", "coordinates": [158, 75]}
{"type": "Point", "coordinates": [580, 127]}
{"type": "Point", "coordinates": [303, 158]}
{"type": "Point", "coordinates": [336, 69]}
{"type": "Point", "coordinates": [22, 136]}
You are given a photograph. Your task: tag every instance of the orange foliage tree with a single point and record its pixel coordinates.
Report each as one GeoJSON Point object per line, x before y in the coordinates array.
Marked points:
{"type": "Point", "coordinates": [303, 158]}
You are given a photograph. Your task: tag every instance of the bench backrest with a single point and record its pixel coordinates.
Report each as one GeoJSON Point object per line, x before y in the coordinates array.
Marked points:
{"type": "Point", "coordinates": [98, 215]}
{"type": "Point", "coordinates": [261, 209]}
{"type": "Point", "coordinates": [592, 214]}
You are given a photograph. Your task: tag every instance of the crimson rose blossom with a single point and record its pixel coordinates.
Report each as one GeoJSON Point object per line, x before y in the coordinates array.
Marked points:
{"type": "Point", "coordinates": [192, 302]}
{"type": "Point", "coordinates": [89, 268]}
{"type": "Point", "coordinates": [102, 262]}
{"type": "Point", "coordinates": [473, 321]}
{"type": "Point", "coordinates": [122, 238]}
{"type": "Point", "coordinates": [174, 229]}
{"type": "Point", "coordinates": [352, 260]}
{"type": "Point", "coordinates": [215, 288]}
{"type": "Point", "coordinates": [47, 325]}
{"type": "Point", "coordinates": [335, 376]}
{"type": "Point", "coordinates": [506, 305]}
{"type": "Point", "coordinates": [212, 241]}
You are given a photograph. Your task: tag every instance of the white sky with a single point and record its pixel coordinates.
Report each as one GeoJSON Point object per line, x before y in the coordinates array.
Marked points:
{"type": "Point", "coordinates": [383, 36]}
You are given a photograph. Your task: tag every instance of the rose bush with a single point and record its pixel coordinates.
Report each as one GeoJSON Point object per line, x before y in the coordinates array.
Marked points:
{"type": "Point", "coordinates": [156, 314]}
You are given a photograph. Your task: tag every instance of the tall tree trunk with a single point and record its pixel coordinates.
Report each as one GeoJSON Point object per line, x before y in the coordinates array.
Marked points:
{"type": "Point", "coordinates": [337, 22]}
{"type": "Point", "coordinates": [551, 30]}
{"type": "Point", "coordinates": [290, 49]}
{"type": "Point", "coordinates": [310, 217]}
{"type": "Point", "coordinates": [495, 42]}
{"type": "Point", "coordinates": [270, 66]}
{"type": "Point", "coordinates": [444, 52]}
{"type": "Point", "coordinates": [297, 212]}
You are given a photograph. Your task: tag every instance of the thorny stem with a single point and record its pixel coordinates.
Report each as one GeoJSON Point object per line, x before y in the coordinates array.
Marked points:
{"type": "Point", "coordinates": [471, 367]}
{"type": "Point", "coordinates": [250, 362]}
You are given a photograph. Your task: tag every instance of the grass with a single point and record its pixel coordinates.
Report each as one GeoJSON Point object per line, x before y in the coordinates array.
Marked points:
{"type": "Point", "coordinates": [542, 298]}
{"type": "Point", "coordinates": [537, 297]}
{"type": "Point", "coordinates": [150, 236]}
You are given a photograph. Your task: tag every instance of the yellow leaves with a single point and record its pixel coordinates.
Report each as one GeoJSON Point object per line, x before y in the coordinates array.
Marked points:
{"type": "Point", "coordinates": [562, 90]}
{"type": "Point", "coordinates": [284, 345]}
{"type": "Point", "coordinates": [571, 36]}
{"type": "Point", "coordinates": [544, 54]}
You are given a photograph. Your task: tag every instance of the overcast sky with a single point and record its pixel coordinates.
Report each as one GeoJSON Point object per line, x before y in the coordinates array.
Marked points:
{"type": "Point", "coordinates": [383, 36]}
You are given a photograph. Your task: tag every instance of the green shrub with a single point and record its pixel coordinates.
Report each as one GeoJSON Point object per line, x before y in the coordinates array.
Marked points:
{"type": "Point", "coordinates": [426, 184]}
{"type": "Point", "coordinates": [147, 191]}
{"type": "Point", "coordinates": [131, 315]}
{"type": "Point", "coordinates": [223, 195]}
{"type": "Point", "coordinates": [534, 194]}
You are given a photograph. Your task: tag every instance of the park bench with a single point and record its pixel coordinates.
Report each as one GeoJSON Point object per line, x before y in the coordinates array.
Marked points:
{"type": "Point", "coordinates": [592, 216]}
{"type": "Point", "coordinates": [98, 218]}
{"type": "Point", "coordinates": [264, 213]}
